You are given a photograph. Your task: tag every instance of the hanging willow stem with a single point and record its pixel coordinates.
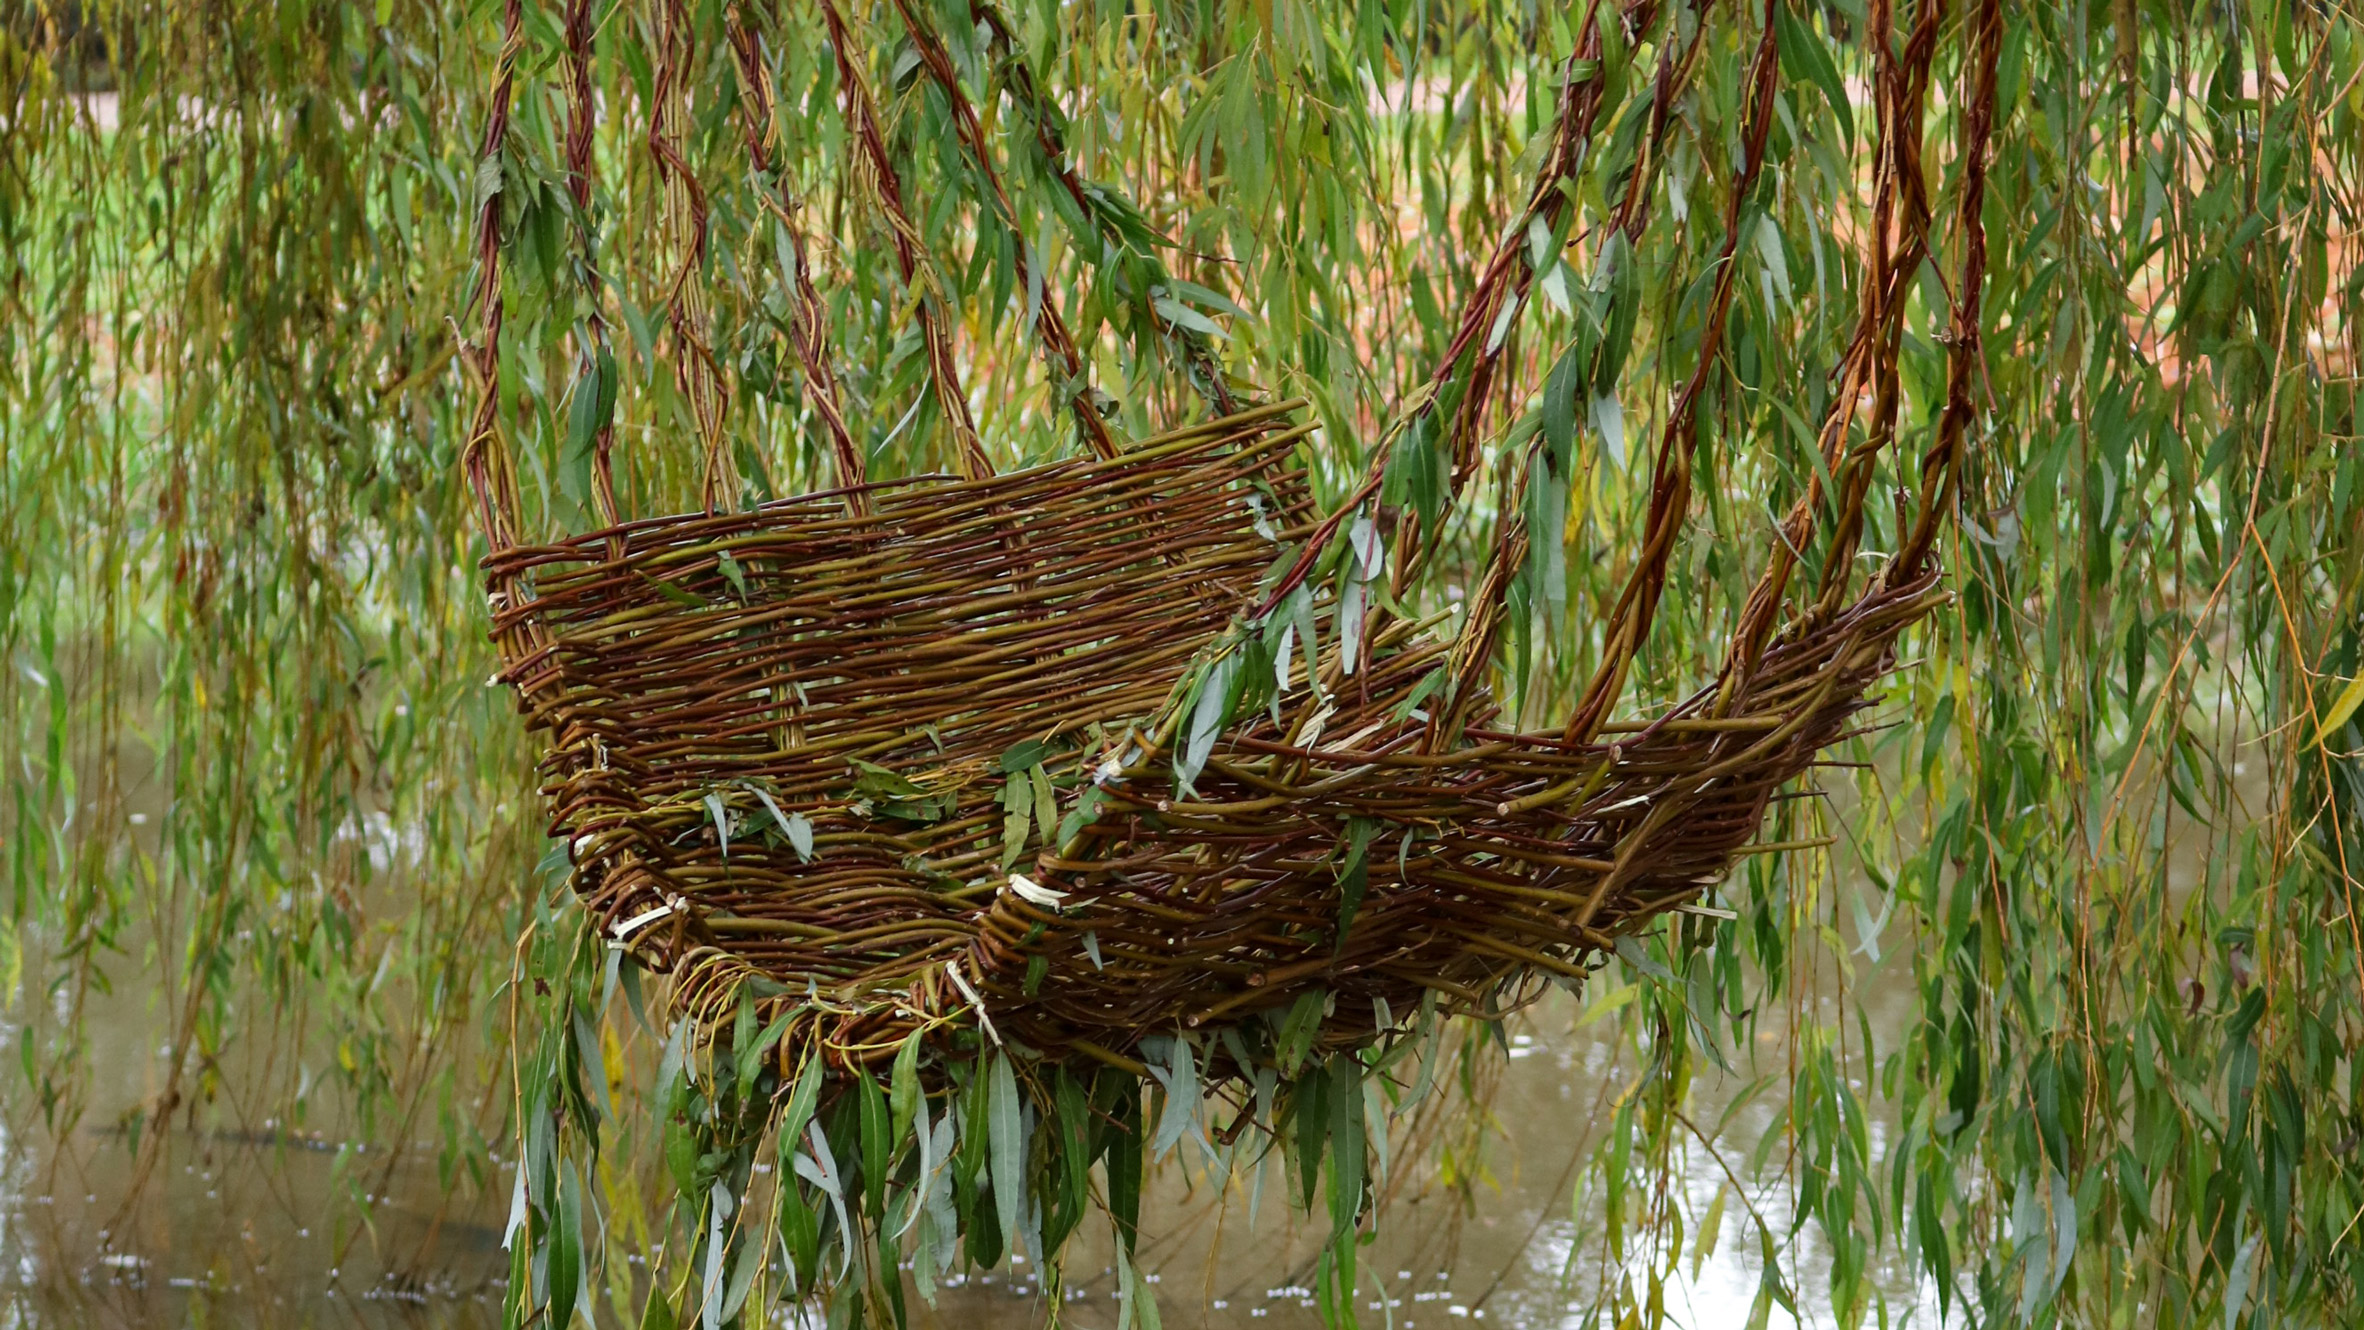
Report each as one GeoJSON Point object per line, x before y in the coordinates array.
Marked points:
{"type": "Point", "coordinates": [484, 459]}
{"type": "Point", "coordinates": [685, 223]}
{"type": "Point", "coordinates": [876, 167]}
{"type": "Point", "coordinates": [1473, 650]}
{"type": "Point", "coordinates": [1098, 202]}
{"type": "Point", "coordinates": [1941, 465]}
{"type": "Point", "coordinates": [807, 327]}
{"type": "Point", "coordinates": [1069, 372]}
{"type": "Point", "coordinates": [1670, 485]}
{"type": "Point", "coordinates": [1502, 285]}
{"type": "Point", "coordinates": [593, 359]}
{"type": "Point", "coordinates": [1901, 205]}
{"type": "Point", "coordinates": [1897, 244]}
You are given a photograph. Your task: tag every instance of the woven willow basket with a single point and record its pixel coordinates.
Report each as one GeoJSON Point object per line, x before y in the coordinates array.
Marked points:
{"type": "Point", "coordinates": [784, 744]}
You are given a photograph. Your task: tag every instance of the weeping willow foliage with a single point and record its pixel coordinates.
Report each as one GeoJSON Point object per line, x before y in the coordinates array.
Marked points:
{"type": "Point", "coordinates": [250, 757]}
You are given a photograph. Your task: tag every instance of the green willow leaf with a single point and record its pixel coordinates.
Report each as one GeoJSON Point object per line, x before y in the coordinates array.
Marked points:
{"type": "Point", "coordinates": [1005, 1129]}
{"type": "Point", "coordinates": [1804, 55]}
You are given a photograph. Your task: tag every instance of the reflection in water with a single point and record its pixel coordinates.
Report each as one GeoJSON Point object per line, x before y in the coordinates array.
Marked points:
{"type": "Point", "coordinates": [1531, 1252]}
{"type": "Point", "coordinates": [254, 1226]}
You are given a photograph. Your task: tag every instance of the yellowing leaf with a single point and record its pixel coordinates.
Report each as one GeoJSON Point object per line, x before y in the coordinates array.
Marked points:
{"type": "Point", "coordinates": [2349, 699]}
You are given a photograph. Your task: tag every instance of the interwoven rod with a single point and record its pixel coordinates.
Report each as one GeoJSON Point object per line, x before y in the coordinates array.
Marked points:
{"type": "Point", "coordinates": [1509, 276]}
{"type": "Point", "coordinates": [1233, 902]}
{"type": "Point", "coordinates": [485, 460]}
{"type": "Point", "coordinates": [1516, 855]}
{"type": "Point", "coordinates": [1901, 206]}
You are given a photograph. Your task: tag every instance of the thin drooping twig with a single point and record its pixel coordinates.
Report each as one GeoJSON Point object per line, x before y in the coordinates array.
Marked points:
{"type": "Point", "coordinates": [877, 168]}
{"type": "Point", "coordinates": [695, 372]}
{"type": "Point", "coordinates": [808, 329]}
{"type": "Point", "coordinates": [1058, 345]}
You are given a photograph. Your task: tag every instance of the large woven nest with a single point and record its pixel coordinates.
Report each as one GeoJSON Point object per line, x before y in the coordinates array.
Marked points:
{"type": "Point", "coordinates": [958, 756]}
{"type": "Point", "coordinates": [797, 765]}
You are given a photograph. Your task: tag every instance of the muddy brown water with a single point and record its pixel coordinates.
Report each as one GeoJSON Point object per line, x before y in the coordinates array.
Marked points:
{"type": "Point", "coordinates": [332, 1225]}
{"type": "Point", "coordinates": [245, 1226]}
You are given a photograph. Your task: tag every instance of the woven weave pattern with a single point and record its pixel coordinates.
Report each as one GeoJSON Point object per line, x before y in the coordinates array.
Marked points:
{"type": "Point", "coordinates": [1498, 854]}
{"type": "Point", "coordinates": [784, 745]}
{"type": "Point", "coordinates": [859, 679]}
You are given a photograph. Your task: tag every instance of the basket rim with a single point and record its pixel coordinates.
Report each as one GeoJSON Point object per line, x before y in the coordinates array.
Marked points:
{"type": "Point", "coordinates": [1254, 427]}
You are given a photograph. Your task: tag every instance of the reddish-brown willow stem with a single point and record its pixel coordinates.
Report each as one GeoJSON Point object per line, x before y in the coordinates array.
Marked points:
{"type": "Point", "coordinates": [1067, 366]}
{"type": "Point", "coordinates": [1670, 484]}
{"type": "Point", "coordinates": [688, 314]}
{"type": "Point", "coordinates": [1198, 352]}
{"type": "Point", "coordinates": [808, 328]}
{"type": "Point", "coordinates": [484, 458]}
{"type": "Point", "coordinates": [1503, 282]}
{"type": "Point", "coordinates": [592, 347]}
{"type": "Point", "coordinates": [877, 167]}
{"type": "Point", "coordinates": [1481, 630]}
{"type": "Point", "coordinates": [1941, 465]}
